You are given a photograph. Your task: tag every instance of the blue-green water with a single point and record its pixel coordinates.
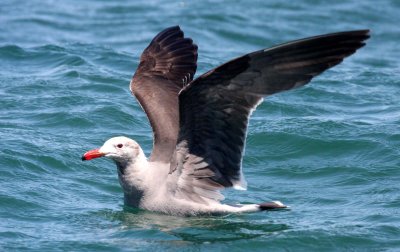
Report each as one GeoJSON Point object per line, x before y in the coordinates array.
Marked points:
{"type": "Point", "coordinates": [330, 150]}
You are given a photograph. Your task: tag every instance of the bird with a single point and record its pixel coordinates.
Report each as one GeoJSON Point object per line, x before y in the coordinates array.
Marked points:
{"type": "Point", "coordinates": [200, 124]}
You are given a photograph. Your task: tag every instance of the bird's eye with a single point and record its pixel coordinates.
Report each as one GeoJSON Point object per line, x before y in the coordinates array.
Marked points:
{"type": "Point", "coordinates": [120, 145]}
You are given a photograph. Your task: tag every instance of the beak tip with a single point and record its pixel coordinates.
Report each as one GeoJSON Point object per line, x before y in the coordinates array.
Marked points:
{"type": "Point", "coordinates": [92, 154]}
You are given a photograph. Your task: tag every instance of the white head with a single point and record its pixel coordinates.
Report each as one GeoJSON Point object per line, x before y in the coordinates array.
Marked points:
{"type": "Point", "coordinates": [121, 149]}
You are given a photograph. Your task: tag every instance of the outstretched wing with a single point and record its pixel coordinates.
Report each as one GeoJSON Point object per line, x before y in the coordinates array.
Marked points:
{"type": "Point", "coordinates": [166, 65]}
{"type": "Point", "coordinates": [215, 108]}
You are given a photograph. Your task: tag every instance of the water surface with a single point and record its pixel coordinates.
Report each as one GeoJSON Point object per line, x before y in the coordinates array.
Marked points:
{"type": "Point", "coordinates": [330, 150]}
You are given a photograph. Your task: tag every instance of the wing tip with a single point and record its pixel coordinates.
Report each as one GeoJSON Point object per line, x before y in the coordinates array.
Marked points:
{"type": "Point", "coordinates": [170, 55]}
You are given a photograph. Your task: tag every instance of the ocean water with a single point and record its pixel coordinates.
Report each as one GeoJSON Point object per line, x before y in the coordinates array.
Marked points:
{"type": "Point", "coordinates": [330, 150]}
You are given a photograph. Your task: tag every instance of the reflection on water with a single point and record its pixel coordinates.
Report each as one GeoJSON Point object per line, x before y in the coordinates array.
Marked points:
{"type": "Point", "coordinates": [199, 229]}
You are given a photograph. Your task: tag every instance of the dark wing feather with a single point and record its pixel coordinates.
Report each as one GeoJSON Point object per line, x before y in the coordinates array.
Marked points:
{"type": "Point", "coordinates": [214, 108]}
{"type": "Point", "coordinates": [166, 65]}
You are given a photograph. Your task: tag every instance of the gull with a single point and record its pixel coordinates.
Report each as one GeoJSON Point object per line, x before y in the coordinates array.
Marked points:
{"type": "Point", "coordinates": [200, 125]}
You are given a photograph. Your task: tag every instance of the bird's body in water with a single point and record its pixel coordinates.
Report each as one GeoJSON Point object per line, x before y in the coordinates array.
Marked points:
{"type": "Point", "coordinates": [148, 185]}
{"type": "Point", "coordinates": [200, 125]}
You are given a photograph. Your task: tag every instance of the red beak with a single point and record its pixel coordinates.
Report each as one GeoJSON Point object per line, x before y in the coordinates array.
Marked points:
{"type": "Point", "coordinates": [92, 154]}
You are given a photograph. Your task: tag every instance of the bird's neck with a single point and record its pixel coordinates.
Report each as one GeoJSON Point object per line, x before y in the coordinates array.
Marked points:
{"type": "Point", "coordinates": [132, 173]}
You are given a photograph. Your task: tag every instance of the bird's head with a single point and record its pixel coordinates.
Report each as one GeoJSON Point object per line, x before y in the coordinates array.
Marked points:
{"type": "Point", "coordinates": [120, 149]}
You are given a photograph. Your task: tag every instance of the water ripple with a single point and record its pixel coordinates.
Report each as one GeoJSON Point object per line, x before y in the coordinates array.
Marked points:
{"type": "Point", "coordinates": [329, 150]}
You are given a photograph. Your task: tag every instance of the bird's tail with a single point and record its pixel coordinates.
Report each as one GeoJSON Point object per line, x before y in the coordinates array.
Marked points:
{"type": "Point", "coordinates": [273, 205]}
{"type": "Point", "coordinates": [251, 208]}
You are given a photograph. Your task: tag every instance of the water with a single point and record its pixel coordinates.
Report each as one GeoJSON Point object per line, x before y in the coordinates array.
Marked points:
{"type": "Point", "coordinates": [329, 150]}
